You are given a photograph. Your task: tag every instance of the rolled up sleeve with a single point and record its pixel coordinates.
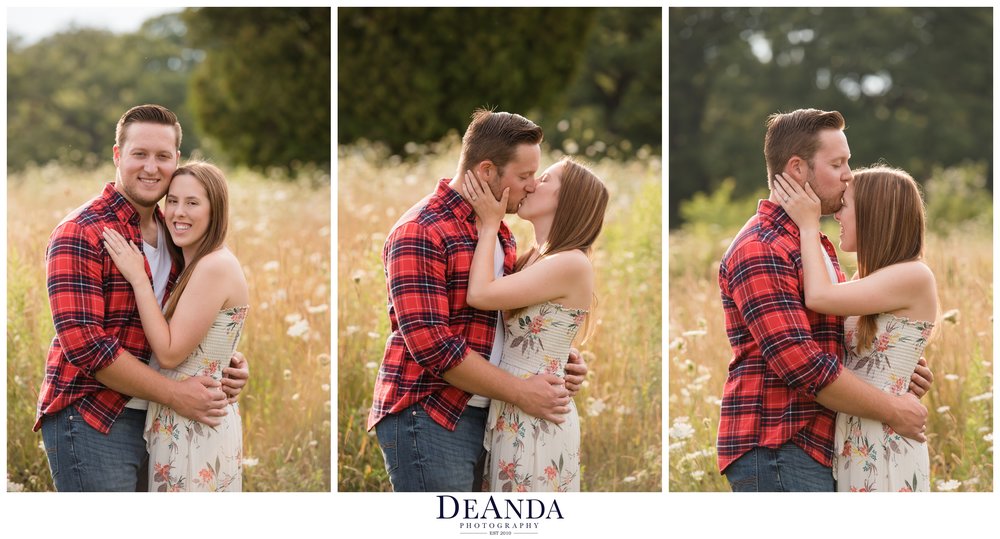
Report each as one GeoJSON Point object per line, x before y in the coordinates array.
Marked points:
{"type": "Point", "coordinates": [74, 279]}
{"type": "Point", "coordinates": [416, 270]}
{"type": "Point", "coordinates": [764, 286]}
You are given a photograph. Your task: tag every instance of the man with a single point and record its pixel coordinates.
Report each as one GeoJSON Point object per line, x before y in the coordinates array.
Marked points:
{"type": "Point", "coordinates": [440, 365]}
{"type": "Point", "coordinates": [786, 380]}
{"type": "Point", "coordinates": [100, 373]}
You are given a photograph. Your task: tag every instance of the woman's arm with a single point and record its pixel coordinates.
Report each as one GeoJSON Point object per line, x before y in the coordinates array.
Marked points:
{"type": "Point", "coordinates": [551, 278]}
{"type": "Point", "coordinates": [489, 213]}
{"type": "Point", "coordinates": [173, 341]}
{"type": "Point", "coordinates": [888, 289]}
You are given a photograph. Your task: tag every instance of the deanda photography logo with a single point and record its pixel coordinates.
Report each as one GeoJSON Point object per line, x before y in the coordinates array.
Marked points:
{"type": "Point", "coordinates": [498, 516]}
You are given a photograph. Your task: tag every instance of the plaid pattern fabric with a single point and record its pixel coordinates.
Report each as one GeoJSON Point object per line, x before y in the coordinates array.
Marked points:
{"type": "Point", "coordinates": [427, 257]}
{"type": "Point", "coordinates": [93, 309]}
{"type": "Point", "coordinates": [783, 353]}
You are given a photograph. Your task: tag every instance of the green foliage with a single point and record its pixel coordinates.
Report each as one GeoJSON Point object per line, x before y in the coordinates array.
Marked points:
{"type": "Point", "coordinates": [614, 106]}
{"type": "Point", "coordinates": [958, 195]}
{"type": "Point", "coordinates": [263, 91]}
{"type": "Point", "coordinates": [413, 74]}
{"type": "Point", "coordinates": [915, 85]}
{"type": "Point", "coordinates": [719, 210]}
{"type": "Point", "coordinates": [66, 93]}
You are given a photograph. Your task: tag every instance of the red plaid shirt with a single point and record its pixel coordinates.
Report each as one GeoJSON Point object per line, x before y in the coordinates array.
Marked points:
{"type": "Point", "coordinates": [427, 257]}
{"type": "Point", "coordinates": [93, 309]}
{"type": "Point", "coordinates": [783, 353]}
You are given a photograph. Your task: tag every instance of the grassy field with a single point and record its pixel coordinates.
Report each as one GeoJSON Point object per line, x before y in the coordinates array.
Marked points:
{"type": "Point", "coordinates": [960, 428]}
{"type": "Point", "coordinates": [620, 406]}
{"type": "Point", "coordinates": [281, 233]}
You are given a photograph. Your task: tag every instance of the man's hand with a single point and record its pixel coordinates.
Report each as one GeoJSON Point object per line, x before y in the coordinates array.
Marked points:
{"type": "Point", "coordinates": [199, 398]}
{"type": "Point", "coordinates": [235, 376]}
{"type": "Point", "coordinates": [576, 372]}
{"type": "Point", "coordinates": [909, 417]}
{"type": "Point", "coordinates": [544, 396]}
{"type": "Point", "coordinates": [921, 379]}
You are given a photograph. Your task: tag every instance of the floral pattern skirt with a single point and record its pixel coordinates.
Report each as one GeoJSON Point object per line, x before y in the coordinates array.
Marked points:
{"type": "Point", "coordinates": [871, 457]}
{"type": "Point", "coordinates": [185, 455]}
{"type": "Point", "coordinates": [527, 454]}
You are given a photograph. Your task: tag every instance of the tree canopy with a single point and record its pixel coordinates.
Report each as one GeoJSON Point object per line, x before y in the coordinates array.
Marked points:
{"type": "Point", "coordinates": [915, 85]}
{"type": "Point", "coordinates": [589, 76]}
{"type": "Point", "coordinates": [250, 86]}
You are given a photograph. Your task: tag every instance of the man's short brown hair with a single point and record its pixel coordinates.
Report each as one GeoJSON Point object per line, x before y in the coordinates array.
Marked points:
{"type": "Point", "coordinates": [796, 133]}
{"type": "Point", "coordinates": [154, 114]}
{"type": "Point", "coordinates": [494, 136]}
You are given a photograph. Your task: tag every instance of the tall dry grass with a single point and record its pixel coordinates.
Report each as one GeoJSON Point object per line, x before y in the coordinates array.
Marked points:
{"type": "Point", "coordinates": [960, 428]}
{"type": "Point", "coordinates": [280, 231]}
{"type": "Point", "coordinates": [620, 406]}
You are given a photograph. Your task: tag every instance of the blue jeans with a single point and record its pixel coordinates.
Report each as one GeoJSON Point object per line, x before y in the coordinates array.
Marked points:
{"type": "Point", "coordinates": [422, 456]}
{"type": "Point", "coordinates": [82, 459]}
{"type": "Point", "coordinates": [786, 469]}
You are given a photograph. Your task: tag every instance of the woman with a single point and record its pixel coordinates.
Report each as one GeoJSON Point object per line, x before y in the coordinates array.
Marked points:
{"type": "Point", "coordinates": [892, 304]}
{"type": "Point", "coordinates": [548, 297]}
{"type": "Point", "coordinates": [195, 334]}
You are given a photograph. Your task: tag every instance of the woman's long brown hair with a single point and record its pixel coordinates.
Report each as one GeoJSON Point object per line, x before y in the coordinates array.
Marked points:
{"type": "Point", "coordinates": [889, 214]}
{"type": "Point", "coordinates": [579, 217]}
{"type": "Point", "coordinates": [214, 182]}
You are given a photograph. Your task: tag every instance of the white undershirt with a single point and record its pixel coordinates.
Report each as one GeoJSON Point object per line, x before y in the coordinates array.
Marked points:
{"type": "Point", "coordinates": [159, 264]}
{"type": "Point", "coordinates": [497, 352]}
{"type": "Point", "coordinates": [829, 265]}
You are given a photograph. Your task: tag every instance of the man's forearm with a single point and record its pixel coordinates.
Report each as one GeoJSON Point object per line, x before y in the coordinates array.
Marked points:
{"type": "Point", "coordinates": [131, 377]}
{"type": "Point", "coordinates": [478, 376]}
{"type": "Point", "coordinates": [850, 395]}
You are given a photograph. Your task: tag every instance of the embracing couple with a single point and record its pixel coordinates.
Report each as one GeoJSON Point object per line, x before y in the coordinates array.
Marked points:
{"type": "Point", "coordinates": [476, 386]}
{"type": "Point", "coordinates": [142, 376]}
{"type": "Point", "coordinates": [814, 402]}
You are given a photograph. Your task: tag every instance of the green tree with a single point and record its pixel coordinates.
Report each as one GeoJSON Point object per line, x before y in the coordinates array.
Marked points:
{"type": "Point", "coordinates": [915, 85]}
{"type": "Point", "coordinates": [66, 93]}
{"type": "Point", "coordinates": [413, 74]}
{"type": "Point", "coordinates": [262, 92]}
{"type": "Point", "coordinates": [615, 104]}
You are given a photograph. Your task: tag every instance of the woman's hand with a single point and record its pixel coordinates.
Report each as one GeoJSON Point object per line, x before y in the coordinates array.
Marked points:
{"type": "Point", "coordinates": [801, 204]}
{"type": "Point", "coordinates": [489, 210]}
{"type": "Point", "coordinates": [129, 259]}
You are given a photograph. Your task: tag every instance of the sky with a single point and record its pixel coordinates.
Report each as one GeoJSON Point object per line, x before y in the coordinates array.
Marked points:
{"type": "Point", "coordinates": [34, 24]}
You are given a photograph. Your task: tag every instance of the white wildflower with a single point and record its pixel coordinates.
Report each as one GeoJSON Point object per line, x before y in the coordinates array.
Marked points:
{"type": "Point", "coordinates": [317, 309]}
{"type": "Point", "coordinates": [697, 474]}
{"type": "Point", "coordinates": [595, 408]}
{"type": "Point", "coordinates": [951, 377]}
{"type": "Point", "coordinates": [271, 265]}
{"type": "Point", "coordinates": [299, 329]}
{"type": "Point", "coordinates": [694, 333]}
{"type": "Point", "coordinates": [371, 365]}
{"type": "Point", "coordinates": [985, 396]}
{"type": "Point", "coordinates": [250, 462]}
{"type": "Point", "coordinates": [943, 409]}
{"type": "Point", "coordinates": [682, 429]}
{"type": "Point", "coordinates": [948, 486]}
